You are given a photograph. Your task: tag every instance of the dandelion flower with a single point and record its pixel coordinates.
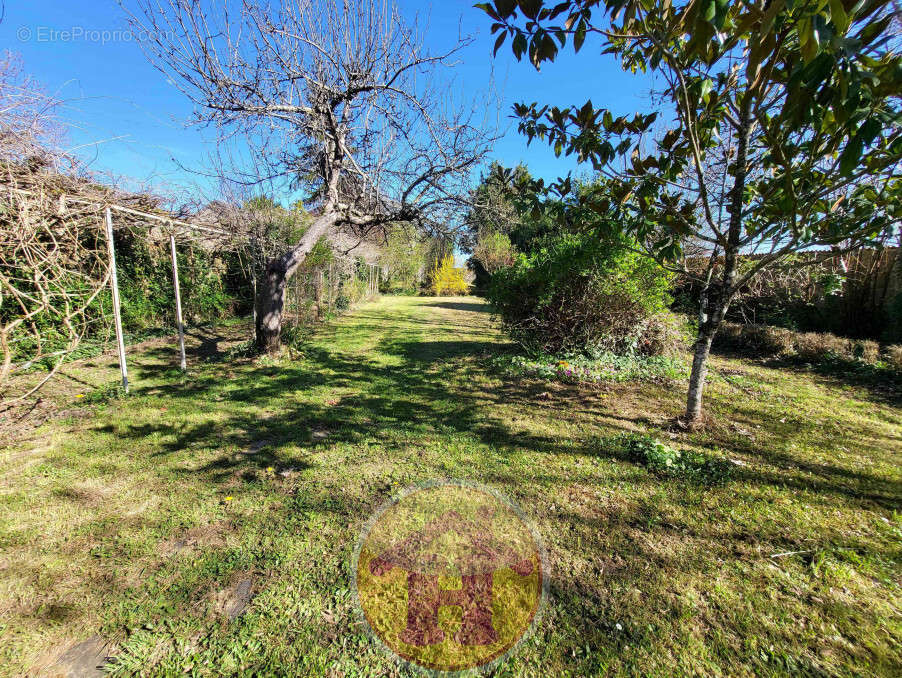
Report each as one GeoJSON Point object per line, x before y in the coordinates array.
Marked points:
{"type": "Point", "coordinates": [229, 498]}
{"type": "Point", "coordinates": [80, 395]}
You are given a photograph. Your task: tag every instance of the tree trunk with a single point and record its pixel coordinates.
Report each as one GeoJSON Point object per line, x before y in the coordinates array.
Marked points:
{"type": "Point", "coordinates": [271, 297]}
{"type": "Point", "coordinates": [716, 305]}
{"type": "Point", "coordinates": [270, 303]}
{"type": "Point", "coordinates": [700, 355]}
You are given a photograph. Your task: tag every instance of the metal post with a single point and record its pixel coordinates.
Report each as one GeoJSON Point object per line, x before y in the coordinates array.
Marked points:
{"type": "Point", "coordinates": [254, 281]}
{"type": "Point", "coordinates": [178, 301]}
{"type": "Point", "coordinates": [114, 283]}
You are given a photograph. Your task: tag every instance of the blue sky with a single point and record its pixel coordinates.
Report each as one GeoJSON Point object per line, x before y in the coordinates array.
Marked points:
{"type": "Point", "coordinates": [125, 118]}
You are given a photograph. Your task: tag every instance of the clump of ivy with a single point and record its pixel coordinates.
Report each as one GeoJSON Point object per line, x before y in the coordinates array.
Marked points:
{"type": "Point", "coordinates": [667, 461]}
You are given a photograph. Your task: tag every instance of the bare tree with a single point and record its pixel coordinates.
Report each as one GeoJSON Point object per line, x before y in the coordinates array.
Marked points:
{"type": "Point", "coordinates": [343, 100]}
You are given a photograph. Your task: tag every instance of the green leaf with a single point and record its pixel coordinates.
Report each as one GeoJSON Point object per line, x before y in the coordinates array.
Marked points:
{"type": "Point", "coordinates": [519, 45]}
{"type": "Point", "coordinates": [670, 138]}
{"type": "Point", "coordinates": [851, 155]}
{"type": "Point", "coordinates": [499, 42]}
{"type": "Point", "coordinates": [488, 9]}
{"type": "Point", "coordinates": [580, 36]}
{"type": "Point", "coordinates": [530, 7]}
{"type": "Point", "coordinates": [839, 16]}
{"type": "Point", "coordinates": [505, 7]}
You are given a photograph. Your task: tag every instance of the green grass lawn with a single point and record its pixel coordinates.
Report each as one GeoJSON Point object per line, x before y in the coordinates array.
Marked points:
{"type": "Point", "coordinates": [137, 518]}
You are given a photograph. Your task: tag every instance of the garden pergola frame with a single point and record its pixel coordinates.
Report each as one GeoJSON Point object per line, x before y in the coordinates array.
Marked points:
{"type": "Point", "coordinates": [172, 228]}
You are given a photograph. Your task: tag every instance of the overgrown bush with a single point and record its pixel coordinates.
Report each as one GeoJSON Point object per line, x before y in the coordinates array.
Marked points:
{"type": "Point", "coordinates": [578, 293]}
{"type": "Point", "coordinates": [494, 251]}
{"type": "Point", "coordinates": [762, 339]}
{"type": "Point", "coordinates": [445, 280]}
{"type": "Point", "coordinates": [847, 296]}
{"type": "Point", "coordinates": [894, 356]}
{"type": "Point", "coordinates": [814, 347]}
{"type": "Point", "coordinates": [665, 334]}
{"type": "Point", "coordinates": [212, 286]}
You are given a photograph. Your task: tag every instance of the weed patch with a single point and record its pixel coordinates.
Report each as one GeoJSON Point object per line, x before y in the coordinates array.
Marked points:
{"type": "Point", "coordinates": [665, 460]}
{"type": "Point", "coordinates": [104, 394]}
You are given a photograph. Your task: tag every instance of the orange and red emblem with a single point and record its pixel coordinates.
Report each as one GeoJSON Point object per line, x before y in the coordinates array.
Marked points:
{"type": "Point", "coordinates": [449, 576]}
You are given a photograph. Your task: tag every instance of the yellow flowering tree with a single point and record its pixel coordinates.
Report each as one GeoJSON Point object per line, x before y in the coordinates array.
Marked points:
{"type": "Point", "coordinates": [447, 280]}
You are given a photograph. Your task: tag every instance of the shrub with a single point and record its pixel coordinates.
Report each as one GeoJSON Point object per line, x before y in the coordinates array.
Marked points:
{"type": "Point", "coordinates": [813, 347]}
{"type": "Point", "coordinates": [578, 293]}
{"type": "Point", "coordinates": [866, 350]}
{"type": "Point", "coordinates": [767, 339]}
{"type": "Point", "coordinates": [816, 346]}
{"type": "Point", "coordinates": [729, 336]}
{"type": "Point", "coordinates": [405, 257]}
{"type": "Point", "coordinates": [356, 289]}
{"type": "Point", "coordinates": [294, 337]}
{"type": "Point", "coordinates": [447, 280]}
{"type": "Point", "coordinates": [145, 283]}
{"type": "Point", "coordinates": [665, 334]}
{"type": "Point", "coordinates": [894, 356]}
{"type": "Point", "coordinates": [494, 251]}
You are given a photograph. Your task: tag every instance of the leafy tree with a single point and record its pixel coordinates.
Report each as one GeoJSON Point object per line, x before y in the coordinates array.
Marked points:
{"type": "Point", "coordinates": [274, 222]}
{"type": "Point", "coordinates": [502, 204]}
{"type": "Point", "coordinates": [780, 129]}
{"type": "Point", "coordinates": [405, 255]}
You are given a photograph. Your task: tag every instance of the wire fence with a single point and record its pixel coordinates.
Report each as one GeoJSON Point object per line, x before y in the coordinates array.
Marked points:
{"type": "Point", "coordinates": [315, 293]}
{"type": "Point", "coordinates": [60, 297]}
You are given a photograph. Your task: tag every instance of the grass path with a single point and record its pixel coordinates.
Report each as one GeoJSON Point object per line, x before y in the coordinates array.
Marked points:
{"type": "Point", "coordinates": [145, 520]}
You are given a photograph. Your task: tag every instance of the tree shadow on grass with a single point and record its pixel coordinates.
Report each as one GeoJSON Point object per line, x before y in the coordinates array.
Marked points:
{"type": "Point", "coordinates": [420, 388]}
{"type": "Point", "coordinates": [424, 390]}
{"type": "Point", "coordinates": [476, 306]}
